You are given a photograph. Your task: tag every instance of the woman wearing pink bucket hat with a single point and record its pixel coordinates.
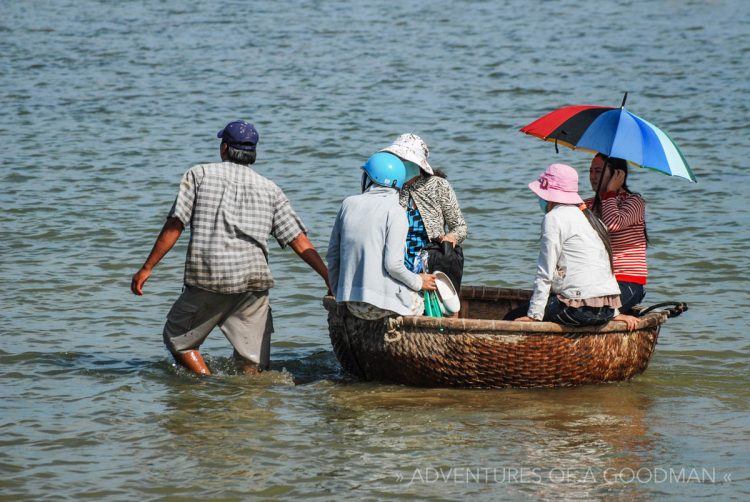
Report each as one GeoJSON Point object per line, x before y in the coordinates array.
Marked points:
{"type": "Point", "coordinates": [574, 282]}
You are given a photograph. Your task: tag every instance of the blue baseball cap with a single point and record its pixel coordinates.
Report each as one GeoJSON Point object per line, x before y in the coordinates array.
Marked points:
{"type": "Point", "coordinates": [240, 135]}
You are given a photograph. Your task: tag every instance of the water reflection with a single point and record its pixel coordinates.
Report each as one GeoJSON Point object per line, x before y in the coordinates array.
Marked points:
{"type": "Point", "coordinates": [572, 441]}
{"type": "Point", "coordinates": [225, 427]}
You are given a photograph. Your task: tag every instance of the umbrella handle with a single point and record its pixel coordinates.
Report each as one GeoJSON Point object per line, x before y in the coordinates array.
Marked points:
{"type": "Point", "coordinates": [597, 197]}
{"type": "Point", "coordinates": [557, 136]}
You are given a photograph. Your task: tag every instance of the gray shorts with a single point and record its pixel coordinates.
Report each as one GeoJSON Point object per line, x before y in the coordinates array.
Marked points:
{"type": "Point", "coordinates": [244, 318]}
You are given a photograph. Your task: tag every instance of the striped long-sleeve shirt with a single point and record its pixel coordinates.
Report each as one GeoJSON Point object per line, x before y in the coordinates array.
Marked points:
{"type": "Point", "coordinates": [625, 216]}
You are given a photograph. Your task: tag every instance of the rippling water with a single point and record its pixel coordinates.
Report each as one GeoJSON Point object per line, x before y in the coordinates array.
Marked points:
{"type": "Point", "coordinates": [106, 104]}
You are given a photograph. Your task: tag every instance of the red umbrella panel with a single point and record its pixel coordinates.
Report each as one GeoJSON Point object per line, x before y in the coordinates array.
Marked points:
{"type": "Point", "coordinates": [566, 125]}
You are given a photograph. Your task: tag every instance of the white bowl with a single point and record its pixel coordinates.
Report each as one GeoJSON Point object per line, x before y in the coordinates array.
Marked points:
{"type": "Point", "coordinates": [447, 293]}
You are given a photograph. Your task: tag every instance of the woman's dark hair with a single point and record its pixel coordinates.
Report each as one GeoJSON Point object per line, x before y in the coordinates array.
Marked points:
{"type": "Point", "coordinates": [436, 172]}
{"type": "Point", "coordinates": [366, 182]}
{"type": "Point", "coordinates": [600, 229]}
{"type": "Point", "coordinates": [616, 164]}
{"type": "Point", "coordinates": [244, 157]}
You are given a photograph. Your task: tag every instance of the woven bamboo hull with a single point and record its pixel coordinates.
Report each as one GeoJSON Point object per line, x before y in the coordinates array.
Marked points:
{"type": "Point", "coordinates": [486, 351]}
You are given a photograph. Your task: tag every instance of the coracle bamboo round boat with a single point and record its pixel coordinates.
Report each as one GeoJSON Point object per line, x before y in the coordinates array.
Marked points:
{"type": "Point", "coordinates": [480, 350]}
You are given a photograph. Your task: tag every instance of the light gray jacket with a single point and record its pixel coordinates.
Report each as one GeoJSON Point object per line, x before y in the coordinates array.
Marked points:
{"type": "Point", "coordinates": [366, 252]}
{"type": "Point", "coordinates": [573, 261]}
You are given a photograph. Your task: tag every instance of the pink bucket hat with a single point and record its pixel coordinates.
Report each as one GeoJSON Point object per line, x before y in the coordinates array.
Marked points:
{"type": "Point", "coordinates": [559, 183]}
{"type": "Point", "coordinates": [412, 148]}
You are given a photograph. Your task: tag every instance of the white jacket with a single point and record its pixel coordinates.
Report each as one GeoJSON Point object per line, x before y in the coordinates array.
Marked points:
{"type": "Point", "coordinates": [572, 261]}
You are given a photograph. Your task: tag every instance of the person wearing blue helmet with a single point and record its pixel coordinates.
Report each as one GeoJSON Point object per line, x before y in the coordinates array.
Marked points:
{"type": "Point", "coordinates": [384, 169]}
{"type": "Point", "coordinates": [366, 249]}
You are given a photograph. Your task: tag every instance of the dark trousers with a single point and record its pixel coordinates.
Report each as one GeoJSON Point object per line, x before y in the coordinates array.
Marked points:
{"type": "Point", "coordinates": [631, 294]}
{"type": "Point", "coordinates": [557, 311]}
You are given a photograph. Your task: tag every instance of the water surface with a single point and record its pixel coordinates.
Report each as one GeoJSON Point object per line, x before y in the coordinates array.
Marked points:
{"type": "Point", "coordinates": [106, 104]}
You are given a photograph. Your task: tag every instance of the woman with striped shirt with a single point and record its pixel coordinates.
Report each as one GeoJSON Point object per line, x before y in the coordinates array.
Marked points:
{"type": "Point", "coordinates": [624, 214]}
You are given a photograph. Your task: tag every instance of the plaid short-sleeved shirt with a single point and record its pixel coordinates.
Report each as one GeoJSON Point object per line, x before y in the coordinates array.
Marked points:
{"type": "Point", "coordinates": [231, 211]}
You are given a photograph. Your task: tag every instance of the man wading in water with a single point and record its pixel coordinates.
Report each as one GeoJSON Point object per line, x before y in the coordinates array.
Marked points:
{"type": "Point", "coordinates": [231, 211]}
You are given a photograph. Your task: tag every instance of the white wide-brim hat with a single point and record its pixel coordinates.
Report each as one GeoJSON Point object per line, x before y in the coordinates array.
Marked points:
{"type": "Point", "coordinates": [412, 148]}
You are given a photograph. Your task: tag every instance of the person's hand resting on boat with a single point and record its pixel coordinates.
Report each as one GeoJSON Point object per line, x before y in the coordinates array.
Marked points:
{"type": "Point", "coordinates": [629, 320]}
{"type": "Point", "coordinates": [428, 282]}
{"type": "Point", "coordinates": [525, 319]}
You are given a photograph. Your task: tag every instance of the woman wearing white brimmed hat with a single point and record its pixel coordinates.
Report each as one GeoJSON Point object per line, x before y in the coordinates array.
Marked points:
{"type": "Point", "coordinates": [430, 202]}
{"type": "Point", "coordinates": [574, 282]}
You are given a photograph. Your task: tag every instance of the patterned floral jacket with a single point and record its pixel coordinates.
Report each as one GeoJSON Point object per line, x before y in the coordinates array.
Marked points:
{"type": "Point", "coordinates": [438, 206]}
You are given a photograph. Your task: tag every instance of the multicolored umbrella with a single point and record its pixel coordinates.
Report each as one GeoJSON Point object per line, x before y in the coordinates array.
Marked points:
{"type": "Point", "coordinates": [614, 132]}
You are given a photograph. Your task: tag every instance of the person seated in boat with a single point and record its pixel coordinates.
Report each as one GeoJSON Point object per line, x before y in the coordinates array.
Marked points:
{"type": "Point", "coordinates": [432, 210]}
{"type": "Point", "coordinates": [366, 249]}
{"type": "Point", "coordinates": [624, 214]}
{"type": "Point", "coordinates": [574, 283]}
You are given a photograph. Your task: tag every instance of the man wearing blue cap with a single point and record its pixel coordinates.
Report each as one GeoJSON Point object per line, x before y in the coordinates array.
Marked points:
{"type": "Point", "coordinates": [231, 211]}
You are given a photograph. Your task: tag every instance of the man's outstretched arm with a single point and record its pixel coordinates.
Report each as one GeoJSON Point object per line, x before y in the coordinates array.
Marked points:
{"type": "Point", "coordinates": [167, 238]}
{"type": "Point", "coordinates": [305, 250]}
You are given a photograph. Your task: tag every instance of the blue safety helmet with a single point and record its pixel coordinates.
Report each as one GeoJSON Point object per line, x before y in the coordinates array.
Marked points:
{"type": "Point", "coordinates": [385, 169]}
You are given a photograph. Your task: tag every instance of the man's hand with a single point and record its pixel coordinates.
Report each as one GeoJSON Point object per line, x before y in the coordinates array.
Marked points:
{"type": "Point", "coordinates": [525, 319]}
{"type": "Point", "coordinates": [169, 234]}
{"type": "Point", "coordinates": [139, 279]}
{"type": "Point", "coordinates": [428, 282]}
{"type": "Point", "coordinates": [305, 250]}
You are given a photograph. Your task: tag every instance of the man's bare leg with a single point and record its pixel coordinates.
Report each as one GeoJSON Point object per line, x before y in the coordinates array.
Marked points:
{"type": "Point", "coordinates": [193, 361]}
{"type": "Point", "coordinates": [247, 366]}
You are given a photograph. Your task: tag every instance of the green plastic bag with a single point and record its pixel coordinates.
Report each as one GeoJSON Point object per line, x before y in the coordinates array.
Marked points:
{"type": "Point", "coordinates": [432, 304]}
{"type": "Point", "coordinates": [427, 303]}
